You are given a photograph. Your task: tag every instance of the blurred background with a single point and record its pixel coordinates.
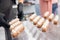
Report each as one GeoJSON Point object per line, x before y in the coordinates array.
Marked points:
{"type": "Point", "coordinates": [30, 9]}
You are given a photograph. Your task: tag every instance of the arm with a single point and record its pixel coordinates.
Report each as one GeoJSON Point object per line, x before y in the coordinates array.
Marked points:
{"type": "Point", "coordinates": [20, 1]}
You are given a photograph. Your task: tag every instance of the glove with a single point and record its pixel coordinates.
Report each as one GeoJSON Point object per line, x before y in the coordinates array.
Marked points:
{"type": "Point", "coordinates": [20, 11]}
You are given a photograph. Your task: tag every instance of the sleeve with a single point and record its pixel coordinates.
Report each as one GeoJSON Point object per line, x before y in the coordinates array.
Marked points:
{"type": "Point", "coordinates": [3, 22]}
{"type": "Point", "coordinates": [14, 1]}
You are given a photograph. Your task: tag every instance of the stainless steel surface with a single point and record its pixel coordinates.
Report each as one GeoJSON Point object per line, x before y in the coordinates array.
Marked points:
{"type": "Point", "coordinates": [2, 33]}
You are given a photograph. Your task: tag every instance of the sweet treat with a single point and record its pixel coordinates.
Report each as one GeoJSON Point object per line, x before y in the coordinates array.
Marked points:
{"type": "Point", "coordinates": [40, 22]}
{"type": "Point", "coordinates": [46, 14]}
{"type": "Point", "coordinates": [55, 20]}
{"type": "Point", "coordinates": [14, 34]}
{"type": "Point", "coordinates": [32, 17]}
{"type": "Point", "coordinates": [13, 21]}
{"type": "Point", "coordinates": [50, 18]}
{"type": "Point", "coordinates": [36, 20]}
{"type": "Point", "coordinates": [17, 30]}
{"type": "Point", "coordinates": [14, 25]}
{"type": "Point", "coordinates": [45, 26]}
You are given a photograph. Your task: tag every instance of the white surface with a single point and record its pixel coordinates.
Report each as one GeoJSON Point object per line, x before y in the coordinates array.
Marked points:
{"type": "Point", "coordinates": [2, 35]}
